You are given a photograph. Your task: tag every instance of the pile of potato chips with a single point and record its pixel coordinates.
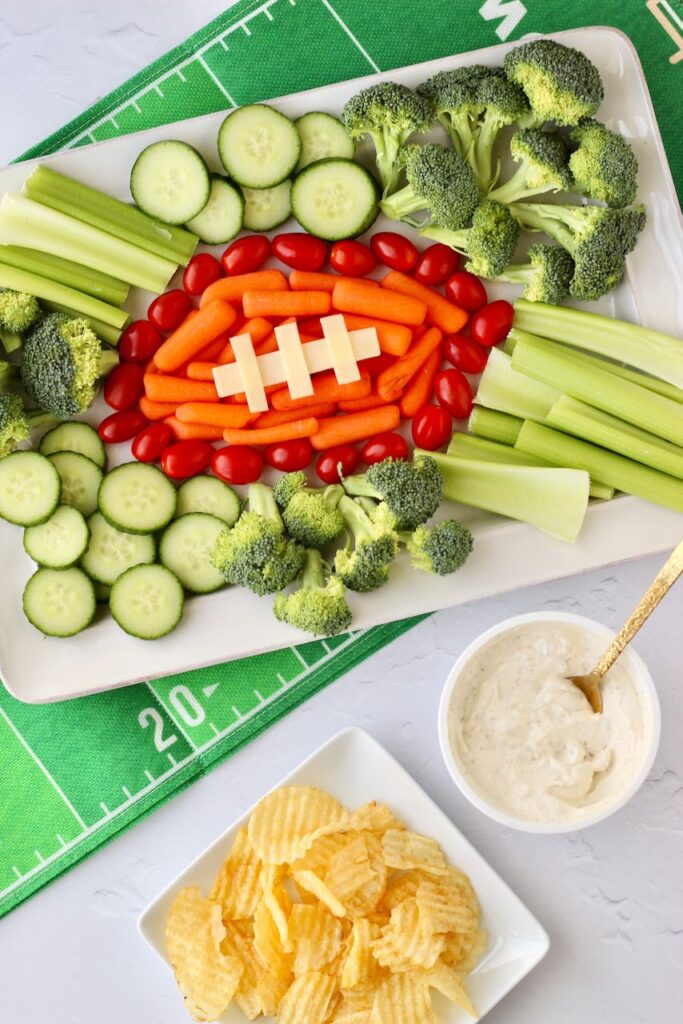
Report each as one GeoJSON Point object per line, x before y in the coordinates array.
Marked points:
{"type": "Point", "coordinates": [324, 915]}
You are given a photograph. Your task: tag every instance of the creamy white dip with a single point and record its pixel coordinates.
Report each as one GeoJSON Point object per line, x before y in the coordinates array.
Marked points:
{"type": "Point", "coordinates": [527, 740]}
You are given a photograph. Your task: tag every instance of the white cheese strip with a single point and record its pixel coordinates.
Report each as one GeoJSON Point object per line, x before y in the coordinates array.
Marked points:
{"type": "Point", "coordinates": [249, 371]}
{"type": "Point", "coordinates": [341, 351]}
{"type": "Point", "coordinates": [296, 371]}
{"type": "Point", "coordinates": [228, 379]}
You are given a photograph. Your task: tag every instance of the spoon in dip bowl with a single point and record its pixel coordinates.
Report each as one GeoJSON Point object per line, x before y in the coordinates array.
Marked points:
{"type": "Point", "coordinates": [663, 581]}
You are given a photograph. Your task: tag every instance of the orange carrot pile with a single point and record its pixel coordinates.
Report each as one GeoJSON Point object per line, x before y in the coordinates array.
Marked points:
{"type": "Point", "coordinates": [440, 312]}
{"type": "Point", "coordinates": [353, 296]}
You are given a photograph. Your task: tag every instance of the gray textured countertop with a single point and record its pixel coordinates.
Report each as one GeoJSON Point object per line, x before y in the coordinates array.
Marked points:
{"type": "Point", "coordinates": [611, 897]}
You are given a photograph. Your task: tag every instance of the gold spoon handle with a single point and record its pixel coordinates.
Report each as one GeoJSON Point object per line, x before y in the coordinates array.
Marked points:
{"type": "Point", "coordinates": [663, 581]}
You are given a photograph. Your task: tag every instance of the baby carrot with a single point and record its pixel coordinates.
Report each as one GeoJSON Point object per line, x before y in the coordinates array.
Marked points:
{"type": "Point", "coordinates": [357, 426]}
{"type": "Point", "coordinates": [157, 410]}
{"type": "Point", "coordinates": [193, 431]}
{"type": "Point", "coordinates": [211, 352]}
{"type": "Point", "coordinates": [275, 417]}
{"type": "Point", "coordinates": [371, 401]}
{"type": "Point", "coordinates": [419, 389]}
{"type": "Point", "coordinates": [352, 296]}
{"type": "Point", "coordinates": [394, 339]}
{"type": "Point", "coordinates": [231, 289]}
{"type": "Point", "coordinates": [257, 329]}
{"type": "Point", "coordinates": [326, 388]}
{"type": "Point", "coordinates": [194, 335]}
{"type": "Point", "coordinates": [441, 313]}
{"type": "Point", "coordinates": [265, 303]}
{"type": "Point", "coordinates": [393, 380]}
{"type": "Point", "coordinates": [274, 435]}
{"type": "Point", "coordinates": [308, 280]}
{"type": "Point", "coordinates": [160, 388]}
{"type": "Point", "coordinates": [214, 413]}
{"type": "Point", "coordinates": [198, 370]}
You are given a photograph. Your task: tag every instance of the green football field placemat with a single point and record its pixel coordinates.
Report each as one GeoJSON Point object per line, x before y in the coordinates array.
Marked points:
{"type": "Point", "coordinates": [73, 775]}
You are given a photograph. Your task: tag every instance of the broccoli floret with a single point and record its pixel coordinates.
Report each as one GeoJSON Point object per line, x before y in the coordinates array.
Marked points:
{"type": "Point", "coordinates": [604, 165]}
{"type": "Point", "coordinates": [11, 340]}
{"type": "Point", "coordinates": [411, 491]}
{"type": "Point", "coordinates": [596, 237]}
{"type": "Point", "coordinates": [319, 606]}
{"type": "Point", "coordinates": [502, 103]}
{"type": "Point", "coordinates": [543, 159]}
{"type": "Point", "coordinates": [490, 243]}
{"type": "Point", "coordinates": [440, 549]}
{"type": "Point", "coordinates": [389, 113]}
{"type": "Point", "coordinates": [457, 106]}
{"type": "Point", "coordinates": [561, 84]}
{"type": "Point", "coordinates": [18, 311]}
{"type": "Point", "coordinates": [62, 362]}
{"type": "Point", "coordinates": [547, 276]}
{"type": "Point", "coordinates": [256, 552]}
{"type": "Point", "coordinates": [16, 423]}
{"type": "Point", "coordinates": [440, 182]}
{"type": "Point", "coordinates": [363, 564]}
{"type": "Point", "coordinates": [310, 513]}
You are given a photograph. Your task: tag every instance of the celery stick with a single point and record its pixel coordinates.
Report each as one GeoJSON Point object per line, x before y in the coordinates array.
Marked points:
{"type": "Point", "coordinates": [615, 470]}
{"type": "Point", "coordinates": [74, 275]}
{"type": "Point", "coordinates": [11, 341]}
{"type": "Point", "coordinates": [651, 351]}
{"type": "Point", "coordinates": [24, 222]}
{"type": "Point", "coordinates": [52, 291]}
{"type": "Point", "coordinates": [599, 388]}
{"type": "Point", "coordinates": [494, 425]}
{"type": "Point", "coordinates": [661, 387]}
{"type": "Point", "coordinates": [553, 500]}
{"type": "Point", "coordinates": [105, 332]}
{"type": "Point", "coordinates": [93, 207]}
{"type": "Point", "coordinates": [501, 387]}
{"type": "Point", "coordinates": [600, 428]}
{"type": "Point", "coordinates": [467, 447]}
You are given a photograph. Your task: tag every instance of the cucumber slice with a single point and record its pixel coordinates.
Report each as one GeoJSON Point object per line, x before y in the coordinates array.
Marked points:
{"type": "Point", "coordinates": [137, 498]}
{"type": "Point", "coordinates": [60, 540]}
{"type": "Point", "coordinates": [147, 601]}
{"type": "Point", "coordinates": [208, 494]}
{"type": "Point", "coordinates": [170, 181]}
{"type": "Point", "coordinates": [323, 136]}
{"type": "Point", "coordinates": [334, 199]}
{"type": "Point", "coordinates": [81, 479]}
{"type": "Point", "coordinates": [258, 146]}
{"type": "Point", "coordinates": [266, 208]}
{"type": "Point", "coordinates": [221, 219]}
{"type": "Point", "coordinates": [59, 602]}
{"type": "Point", "coordinates": [186, 547]}
{"type": "Point", "coordinates": [29, 488]}
{"type": "Point", "coordinates": [74, 437]}
{"type": "Point", "coordinates": [112, 552]}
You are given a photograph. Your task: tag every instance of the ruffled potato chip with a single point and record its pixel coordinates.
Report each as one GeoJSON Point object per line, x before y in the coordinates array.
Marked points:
{"type": "Point", "coordinates": [400, 887]}
{"type": "Point", "coordinates": [374, 817]}
{"type": "Point", "coordinates": [449, 982]}
{"type": "Point", "coordinates": [402, 999]}
{"type": "Point", "coordinates": [316, 935]}
{"type": "Point", "coordinates": [240, 945]}
{"type": "Point", "coordinates": [268, 943]}
{"type": "Point", "coordinates": [207, 978]}
{"type": "Point", "coordinates": [465, 950]}
{"type": "Point", "coordinates": [443, 908]}
{"type": "Point", "coordinates": [275, 897]}
{"type": "Point", "coordinates": [310, 882]}
{"type": "Point", "coordinates": [405, 850]}
{"type": "Point", "coordinates": [402, 944]}
{"type": "Point", "coordinates": [237, 887]}
{"type": "Point", "coordinates": [360, 965]}
{"type": "Point", "coordinates": [288, 821]}
{"type": "Point", "coordinates": [357, 874]}
{"type": "Point", "coordinates": [308, 999]}
{"type": "Point", "coordinates": [321, 852]}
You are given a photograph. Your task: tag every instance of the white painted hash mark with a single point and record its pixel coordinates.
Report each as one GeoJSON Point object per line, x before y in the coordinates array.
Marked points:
{"type": "Point", "coordinates": [350, 34]}
{"type": "Point", "coordinates": [510, 12]}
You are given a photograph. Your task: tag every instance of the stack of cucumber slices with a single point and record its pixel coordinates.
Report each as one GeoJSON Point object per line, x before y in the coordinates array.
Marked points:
{"type": "Point", "coordinates": [127, 537]}
{"type": "Point", "coordinates": [275, 168]}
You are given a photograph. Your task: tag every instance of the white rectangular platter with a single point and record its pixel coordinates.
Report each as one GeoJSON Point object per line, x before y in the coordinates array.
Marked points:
{"type": "Point", "coordinates": [355, 769]}
{"type": "Point", "coordinates": [234, 624]}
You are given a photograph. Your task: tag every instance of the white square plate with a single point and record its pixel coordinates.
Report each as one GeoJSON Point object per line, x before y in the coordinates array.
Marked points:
{"type": "Point", "coordinates": [234, 623]}
{"type": "Point", "coordinates": [355, 769]}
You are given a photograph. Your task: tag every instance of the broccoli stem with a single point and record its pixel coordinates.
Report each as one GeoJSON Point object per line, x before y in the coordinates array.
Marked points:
{"type": "Point", "coordinates": [313, 574]}
{"type": "Point", "coordinates": [11, 340]}
{"type": "Point", "coordinates": [516, 188]}
{"type": "Point", "coordinates": [518, 273]}
{"type": "Point", "coordinates": [356, 519]}
{"type": "Point", "coordinates": [261, 500]}
{"type": "Point", "coordinates": [455, 239]}
{"type": "Point", "coordinates": [402, 203]}
{"type": "Point", "coordinates": [108, 360]}
{"type": "Point", "coordinates": [560, 222]}
{"type": "Point", "coordinates": [481, 154]}
{"type": "Point", "coordinates": [386, 153]}
{"type": "Point", "coordinates": [38, 418]}
{"type": "Point", "coordinates": [359, 486]}
{"type": "Point", "coordinates": [459, 131]}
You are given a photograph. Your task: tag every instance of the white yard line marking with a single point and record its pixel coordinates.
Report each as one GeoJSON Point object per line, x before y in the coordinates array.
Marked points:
{"type": "Point", "coordinates": [105, 808]}
{"type": "Point", "coordinates": [17, 872]}
{"type": "Point", "coordinates": [135, 106]}
{"type": "Point", "coordinates": [246, 30]}
{"type": "Point", "coordinates": [300, 657]}
{"type": "Point", "coordinates": [327, 647]}
{"type": "Point", "coordinates": [43, 769]}
{"type": "Point", "coordinates": [223, 43]}
{"type": "Point", "coordinates": [149, 776]}
{"type": "Point", "coordinates": [172, 759]}
{"type": "Point", "coordinates": [214, 729]}
{"type": "Point", "coordinates": [238, 715]}
{"type": "Point", "coordinates": [259, 697]}
{"type": "Point", "coordinates": [217, 82]}
{"type": "Point", "coordinates": [126, 792]}
{"type": "Point", "coordinates": [60, 839]}
{"type": "Point", "coordinates": [350, 34]}
{"type": "Point", "coordinates": [281, 678]}
{"type": "Point", "coordinates": [180, 75]}
{"type": "Point", "coordinates": [39, 856]}
{"type": "Point", "coordinates": [173, 717]}
{"type": "Point", "coordinates": [158, 91]}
